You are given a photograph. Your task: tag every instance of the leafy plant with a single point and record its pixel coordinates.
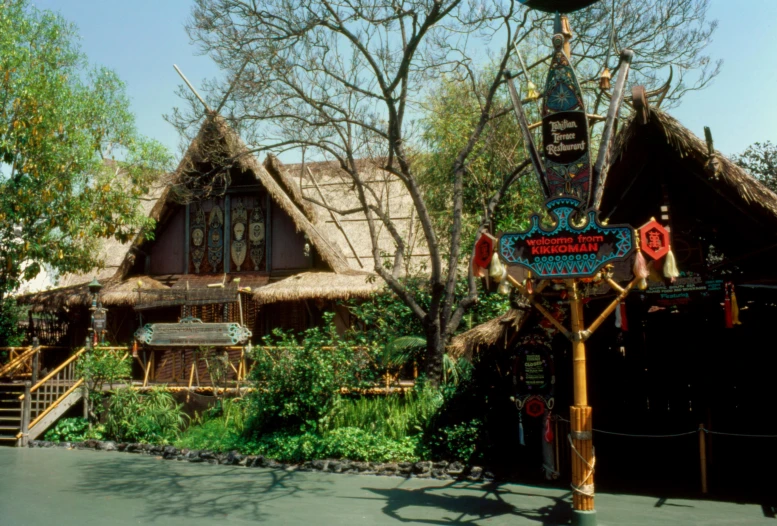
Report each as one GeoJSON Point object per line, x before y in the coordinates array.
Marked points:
{"type": "Point", "coordinates": [396, 417]}
{"type": "Point", "coordinates": [153, 417]}
{"type": "Point", "coordinates": [297, 381]}
{"type": "Point", "coordinates": [74, 430]}
{"type": "Point", "coordinates": [100, 366]}
{"type": "Point", "coordinates": [457, 442]}
{"type": "Point", "coordinates": [11, 313]}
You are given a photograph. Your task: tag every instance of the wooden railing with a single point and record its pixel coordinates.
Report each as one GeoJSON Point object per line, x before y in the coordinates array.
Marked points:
{"type": "Point", "coordinates": [40, 399]}
{"type": "Point", "coordinates": [21, 357]}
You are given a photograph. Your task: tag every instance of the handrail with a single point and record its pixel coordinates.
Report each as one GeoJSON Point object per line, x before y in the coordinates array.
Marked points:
{"type": "Point", "coordinates": [55, 403]}
{"type": "Point", "coordinates": [19, 360]}
{"type": "Point", "coordinates": [55, 371]}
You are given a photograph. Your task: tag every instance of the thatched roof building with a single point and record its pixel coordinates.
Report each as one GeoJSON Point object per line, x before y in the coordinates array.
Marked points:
{"type": "Point", "coordinates": [341, 243]}
{"type": "Point", "coordinates": [723, 221]}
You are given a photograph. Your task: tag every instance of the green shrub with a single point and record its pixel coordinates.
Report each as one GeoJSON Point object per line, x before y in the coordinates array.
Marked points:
{"type": "Point", "coordinates": [11, 334]}
{"type": "Point", "coordinates": [153, 417]}
{"type": "Point", "coordinates": [457, 442]}
{"type": "Point", "coordinates": [74, 430]}
{"type": "Point", "coordinates": [220, 429]}
{"type": "Point", "coordinates": [298, 381]}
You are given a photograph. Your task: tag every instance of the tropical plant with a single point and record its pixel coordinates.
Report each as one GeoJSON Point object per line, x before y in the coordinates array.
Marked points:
{"type": "Point", "coordinates": [395, 416]}
{"type": "Point", "coordinates": [297, 380]}
{"type": "Point", "coordinates": [152, 417]}
{"type": "Point", "coordinates": [11, 313]}
{"type": "Point", "coordinates": [100, 366]}
{"type": "Point", "coordinates": [74, 430]}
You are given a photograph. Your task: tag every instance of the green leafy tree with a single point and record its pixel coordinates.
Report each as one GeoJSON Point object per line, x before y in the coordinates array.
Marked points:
{"type": "Point", "coordinates": [99, 367]}
{"type": "Point", "coordinates": [72, 164]}
{"type": "Point", "coordinates": [760, 159]}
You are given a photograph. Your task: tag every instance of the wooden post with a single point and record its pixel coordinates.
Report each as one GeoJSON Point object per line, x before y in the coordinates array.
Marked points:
{"type": "Point", "coordinates": [26, 409]}
{"type": "Point", "coordinates": [580, 420]}
{"type": "Point", "coordinates": [703, 457]}
{"type": "Point", "coordinates": [35, 366]}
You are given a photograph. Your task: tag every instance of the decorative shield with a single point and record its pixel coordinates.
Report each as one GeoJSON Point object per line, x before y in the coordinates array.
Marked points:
{"type": "Point", "coordinates": [239, 225]}
{"type": "Point", "coordinates": [655, 239]}
{"type": "Point", "coordinates": [256, 236]}
{"type": "Point", "coordinates": [215, 238]}
{"type": "Point", "coordinates": [198, 238]}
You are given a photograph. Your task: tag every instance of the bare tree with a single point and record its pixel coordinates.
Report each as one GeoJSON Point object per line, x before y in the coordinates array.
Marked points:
{"type": "Point", "coordinates": [346, 79]}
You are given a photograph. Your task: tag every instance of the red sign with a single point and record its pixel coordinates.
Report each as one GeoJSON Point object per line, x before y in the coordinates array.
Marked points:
{"type": "Point", "coordinates": [655, 239]}
{"type": "Point", "coordinates": [484, 250]}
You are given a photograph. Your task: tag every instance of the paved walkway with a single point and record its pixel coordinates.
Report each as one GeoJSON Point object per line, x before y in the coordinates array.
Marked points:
{"type": "Point", "coordinates": [68, 488]}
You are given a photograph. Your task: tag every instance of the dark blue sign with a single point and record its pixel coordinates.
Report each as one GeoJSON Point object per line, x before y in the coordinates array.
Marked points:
{"type": "Point", "coordinates": [567, 251]}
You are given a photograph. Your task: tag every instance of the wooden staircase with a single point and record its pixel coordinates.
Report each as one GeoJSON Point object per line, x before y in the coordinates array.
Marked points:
{"type": "Point", "coordinates": [28, 405]}
{"type": "Point", "coordinates": [10, 412]}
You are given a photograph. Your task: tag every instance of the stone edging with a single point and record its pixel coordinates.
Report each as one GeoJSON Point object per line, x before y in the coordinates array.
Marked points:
{"type": "Point", "coordinates": [423, 470]}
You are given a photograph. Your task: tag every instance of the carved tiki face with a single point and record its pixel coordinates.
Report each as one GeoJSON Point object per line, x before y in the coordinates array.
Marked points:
{"type": "Point", "coordinates": [239, 230]}
{"type": "Point", "coordinates": [197, 237]}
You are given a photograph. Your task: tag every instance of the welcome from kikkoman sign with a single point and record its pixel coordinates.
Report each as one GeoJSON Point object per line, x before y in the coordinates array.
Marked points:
{"type": "Point", "coordinates": [566, 250]}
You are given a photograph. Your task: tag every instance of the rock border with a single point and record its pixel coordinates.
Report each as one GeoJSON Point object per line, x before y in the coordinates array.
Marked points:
{"type": "Point", "coordinates": [424, 469]}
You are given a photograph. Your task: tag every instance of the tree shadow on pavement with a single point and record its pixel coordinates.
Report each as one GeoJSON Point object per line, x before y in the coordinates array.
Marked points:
{"type": "Point", "coordinates": [468, 503]}
{"type": "Point", "coordinates": [171, 489]}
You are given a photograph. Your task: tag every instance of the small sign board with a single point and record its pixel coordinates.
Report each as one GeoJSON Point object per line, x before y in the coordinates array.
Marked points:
{"type": "Point", "coordinates": [535, 370]}
{"type": "Point", "coordinates": [566, 251]}
{"type": "Point", "coordinates": [484, 250]}
{"type": "Point", "coordinates": [192, 333]}
{"type": "Point", "coordinates": [100, 319]}
{"type": "Point", "coordinates": [655, 239]}
{"type": "Point", "coordinates": [565, 139]}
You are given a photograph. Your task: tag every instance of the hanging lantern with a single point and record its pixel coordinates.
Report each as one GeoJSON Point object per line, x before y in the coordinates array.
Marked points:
{"type": "Point", "coordinates": [532, 93]}
{"type": "Point", "coordinates": [604, 80]}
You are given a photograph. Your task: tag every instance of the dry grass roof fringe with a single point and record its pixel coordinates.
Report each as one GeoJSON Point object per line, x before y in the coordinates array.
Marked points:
{"type": "Point", "coordinates": [320, 285]}
{"type": "Point", "coordinates": [734, 180]}
{"type": "Point", "coordinates": [465, 345]}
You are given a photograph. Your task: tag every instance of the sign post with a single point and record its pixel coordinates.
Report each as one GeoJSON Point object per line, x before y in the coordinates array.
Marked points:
{"type": "Point", "coordinates": [576, 247]}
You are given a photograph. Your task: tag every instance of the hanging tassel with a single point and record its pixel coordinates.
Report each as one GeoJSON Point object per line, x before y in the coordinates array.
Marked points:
{"type": "Point", "coordinates": [734, 308]}
{"type": "Point", "coordinates": [641, 270]}
{"type": "Point", "coordinates": [727, 307]}
{"type": "Point", "coordinates": [548, 434]}
{"type": "Point", "coordinates": [624, 319]}
{"type": "Point", "coordinates": [520, 430]}
{"type": "Point", "coordinates": [670, 267]}
{"type": "Point", "coordinates": [620, 317]}
{"type": "Point", "coordinates": [496, 270]}
{"type": "Point", "coordinates": [529, 286]}
{"type": "Point", "coordinates": [504, 287]}
{"type": "Point", "coordinates": [478, 271]}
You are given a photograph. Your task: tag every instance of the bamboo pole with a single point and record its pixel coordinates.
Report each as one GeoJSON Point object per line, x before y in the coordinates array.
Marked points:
{"type": "Point", "coordinates": [703, 457]}
{"type": "Point", "coordinates": [581, 429]}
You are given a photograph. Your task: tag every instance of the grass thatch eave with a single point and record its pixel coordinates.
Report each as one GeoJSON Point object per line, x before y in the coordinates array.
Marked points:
{"type": "Point", "coordinates": [487, 334]}
{"type": "Point", "coordinates": [320, 285]}
{"type": "Point", "coordinates": [718, 171]}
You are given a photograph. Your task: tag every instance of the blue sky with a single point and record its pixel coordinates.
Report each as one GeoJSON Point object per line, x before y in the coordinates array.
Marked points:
{"type": "Point", "coordinates": [142, 39]}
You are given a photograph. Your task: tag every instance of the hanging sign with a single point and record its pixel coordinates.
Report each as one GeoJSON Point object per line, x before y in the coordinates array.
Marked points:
{"type": "Point", "coordinates": [566, 251]}
{"type": "Point", "coordinates": [655, 239]}
{"type": "Point", "coordinates": [191, 332]}
{"type": "Point", "coordinates": [100, 318]}
{"type": "Point", "coordinates": [560, 6]}
{"type": "Point", "coordinates": [535, 370]}
{"type": "Point", "coordinates": [565, 130]}
{"type": "Point", "coordinates": [484, 250]}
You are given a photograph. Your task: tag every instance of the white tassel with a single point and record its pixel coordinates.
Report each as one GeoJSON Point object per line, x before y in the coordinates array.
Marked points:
{"type": "Point", "coordinates": [670, 266]}
{"type": "Point", "coordinates": [496, 270]}
{"type": "Point", "coordinates": [504, 287]}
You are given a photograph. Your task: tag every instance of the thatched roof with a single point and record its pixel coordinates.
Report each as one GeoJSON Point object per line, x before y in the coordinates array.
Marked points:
{"type": "Point", "coordinates": [114, 293]}
{"type": "Point", "coordinates": [492, 332]}
{"type": "Point", "coordinates": [727, 178]}
{"type": "Point", "coordinates": [323, 285]}
{"type": "Point", "coordinates": [325, 191]}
